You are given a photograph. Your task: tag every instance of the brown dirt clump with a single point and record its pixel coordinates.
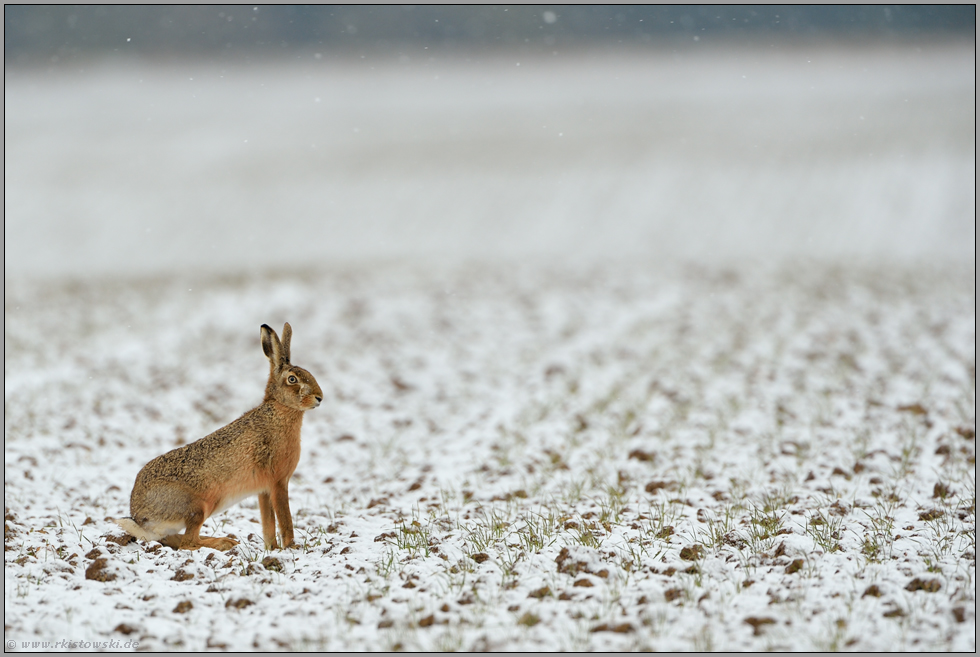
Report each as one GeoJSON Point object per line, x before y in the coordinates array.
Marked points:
{"type": "Point", "coordinates": [96, 571]}
{"type": "Point", "coordinates": [927, 585]}
{"type": "Point", "coordinates": [692, 553]}
{"type": "Point", "coordinates": [240, 603]}
{"type": "Point", "coordinates": [759, 623]}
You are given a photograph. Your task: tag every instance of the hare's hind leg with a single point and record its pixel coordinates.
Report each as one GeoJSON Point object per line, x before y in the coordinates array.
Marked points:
{"type": "Point", "coordinates": [175, 505]}
{"type": "Point", "coordinates": [191, 539]}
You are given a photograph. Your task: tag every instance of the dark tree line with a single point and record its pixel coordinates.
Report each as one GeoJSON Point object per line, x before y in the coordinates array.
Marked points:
{"type": "Point", "coordinates": [37, 33]}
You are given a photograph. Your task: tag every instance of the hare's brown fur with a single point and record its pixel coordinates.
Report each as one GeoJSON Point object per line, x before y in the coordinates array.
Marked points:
{"type": "Point", "coordinates": [255, 454]}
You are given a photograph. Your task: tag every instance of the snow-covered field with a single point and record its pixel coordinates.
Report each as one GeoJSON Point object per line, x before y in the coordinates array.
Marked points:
{"type": "Point", "coordinates": [703, 380]}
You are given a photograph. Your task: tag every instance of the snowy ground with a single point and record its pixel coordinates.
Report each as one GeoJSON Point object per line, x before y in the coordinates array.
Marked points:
{"type": "Point", "coordinates": [792, 446]}
{"type": "Point", "coordinates": [729, 403]}
{"type": "Point", "coordinates": [698, 154]}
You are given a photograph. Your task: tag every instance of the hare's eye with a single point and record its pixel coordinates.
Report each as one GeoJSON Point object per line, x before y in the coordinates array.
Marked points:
{"type": "Point", "coordinates": [291, 380]}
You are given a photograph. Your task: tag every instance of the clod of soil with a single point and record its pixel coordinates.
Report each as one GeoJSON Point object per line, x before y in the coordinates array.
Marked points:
{"type": "Point", "coordinates": [758, 623]}
{"type": "Point", "coordinates": [640, 455]}
{"type": "Point", "coordinates": [528, 620]}
{"type": "Point", "coordinates": [796, 566]}
{"type": "Point", "coordinates": [385, 624]}
{"type": "Point", "coordinates": [543, 592]}
{"type": "Point", "coordinates": [914, 409]}
{"type": "Point", "coordinates": [673, 594]}
{"type": "Point", "coordinates": [480, 557]}
{"type": "Point", "coordinates": [240, 603]}
{"type": "Point", "coordinates": [122, 628]}
{"type": "Point", "coordinates": [692, 553]}
{"type": "Point", "coordinates": [272, 563]}
{"type": "Point", "coordinates": [622, 628]}
{"type": "Point", "coordinates": [654, 486]}
{"type": "Point", "coordinates": [125, 539]}
{"type": "Point", "coordinates": [583, 583]}
{"type": "Point", "coordinates": [97, 572]}
{"type": "Point", "coordinates": [569, 566]}
{"type": "Point", "coordinates": [927, 585]}
{"type": "Point", "coordinates": [931, 514]}
{"type": "Point", "coordinates": [183, 607]}
{"type": "Point", "coordinates": [873, 591]}
{"type": "Point", "coordinates": [967, 433]}
{"type": "Point", "coordinates": [428, 621]}
{"type": "Point", "coordinates": [182, 575]}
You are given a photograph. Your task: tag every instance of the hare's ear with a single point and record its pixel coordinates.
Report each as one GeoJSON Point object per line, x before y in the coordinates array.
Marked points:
{"type": "Point", "coordinates": [287, 335]}
{"type": "Point", "coordinates": [272, 347]}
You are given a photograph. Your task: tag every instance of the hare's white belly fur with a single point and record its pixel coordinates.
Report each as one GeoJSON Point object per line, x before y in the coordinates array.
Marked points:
{"type": "Point", "coordinates": [233, 498]}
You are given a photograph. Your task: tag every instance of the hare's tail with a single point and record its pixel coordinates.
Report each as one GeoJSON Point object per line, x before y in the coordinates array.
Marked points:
{"type": "Point", "coordinates": [132, 528]}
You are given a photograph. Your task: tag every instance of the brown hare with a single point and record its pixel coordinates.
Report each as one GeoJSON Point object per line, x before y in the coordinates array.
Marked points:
{"type": "Point", "coordinates": [255, 454]}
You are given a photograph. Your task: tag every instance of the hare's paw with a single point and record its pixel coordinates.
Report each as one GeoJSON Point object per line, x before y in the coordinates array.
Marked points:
{"type": "Point", "coordinates": [174, 541]}
{"type": "Point", "coordinates": [219, 543]}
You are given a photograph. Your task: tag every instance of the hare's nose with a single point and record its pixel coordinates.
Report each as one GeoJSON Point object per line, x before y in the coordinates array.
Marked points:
{"type": "Point", "coordinates": [318, 398]}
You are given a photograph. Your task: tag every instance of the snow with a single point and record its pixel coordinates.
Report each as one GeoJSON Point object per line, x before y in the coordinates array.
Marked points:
{"type": "Point", "coordinates": [526, 406]}
{"type": "Point", "coordinates": [640, 394]}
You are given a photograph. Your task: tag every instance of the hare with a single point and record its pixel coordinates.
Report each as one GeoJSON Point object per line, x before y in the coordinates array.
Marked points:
{"type": "Point", "coordinates": [255, 454]}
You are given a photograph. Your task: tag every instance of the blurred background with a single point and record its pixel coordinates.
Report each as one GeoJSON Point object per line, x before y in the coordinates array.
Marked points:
{"type": "Point", "coordinates": [146, 140]}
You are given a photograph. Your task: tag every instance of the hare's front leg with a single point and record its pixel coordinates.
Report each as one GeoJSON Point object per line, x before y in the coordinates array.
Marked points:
{"type": "Point", "coordinates": [268, 521]}
{"type": "Point", "coordinates": [280, 503]}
